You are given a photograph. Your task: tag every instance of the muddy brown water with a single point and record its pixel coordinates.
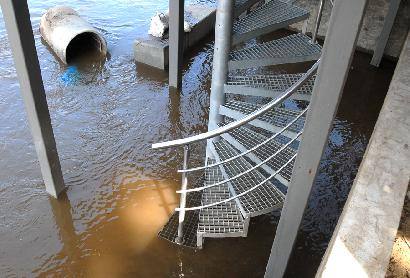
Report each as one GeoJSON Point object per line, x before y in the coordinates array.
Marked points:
{"type": "Point", "coordinates": [105, 117]}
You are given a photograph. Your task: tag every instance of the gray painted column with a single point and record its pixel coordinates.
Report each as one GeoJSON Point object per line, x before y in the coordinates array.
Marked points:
{"type": "Point", "coordinates": [176, 42]}
{"type": "Point", "coordinates": [20, 33]}
{"type": "Point", "coordinates": [338, 50]}
{"type": "Point", "coordinates": [223, 36]}
{"type": "Point", "coordinates": [385, 33]}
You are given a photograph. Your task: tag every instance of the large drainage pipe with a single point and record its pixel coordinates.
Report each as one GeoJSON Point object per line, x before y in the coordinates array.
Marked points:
{"type": "Point", "coordinates": [69, 35]}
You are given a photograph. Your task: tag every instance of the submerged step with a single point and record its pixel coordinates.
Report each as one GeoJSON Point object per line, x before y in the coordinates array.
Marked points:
{"type": "Point", "coordinates": [274, 120]}
{"type": "Point", "coordinates": [267, 18]}
{"type": "Point", "coordinates": [269, 85]}
{"type": "Point", "coordinates": [170, 230]}
{"type": "Point", "coordinates": [291, 49]}
{"type": "Point", "coordinates": [223, 220]}
{"type": "Point", "coordinates": [263, 199]}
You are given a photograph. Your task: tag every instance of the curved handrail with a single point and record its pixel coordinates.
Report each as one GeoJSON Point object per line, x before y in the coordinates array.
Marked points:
{"type": "Point", "coordinates": [244, 172]}
{"type": "Point", "coordinates": [241, 194]}
{"type": "Point", "coordinates": [246, 152]}
{"type": "Point", "coordinates": [244, 120]}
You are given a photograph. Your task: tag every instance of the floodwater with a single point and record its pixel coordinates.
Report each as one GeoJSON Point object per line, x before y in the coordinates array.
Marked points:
{"type": "Point", "coordinates": [105, 117]}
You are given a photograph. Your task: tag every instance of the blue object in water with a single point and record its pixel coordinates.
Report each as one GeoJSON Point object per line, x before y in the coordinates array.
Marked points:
{"type": "Point", "coordinates": [70, 76]}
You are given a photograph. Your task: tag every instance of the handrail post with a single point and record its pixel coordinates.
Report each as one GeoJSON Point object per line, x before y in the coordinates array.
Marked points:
{"type": "Point", "coordinates": [318, 20]}
{"type": "Point", "coordinates": [182, 201]}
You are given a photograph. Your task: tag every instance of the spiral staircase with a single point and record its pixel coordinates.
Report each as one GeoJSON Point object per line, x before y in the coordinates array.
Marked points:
{"type": "Point", "coordinates": [250, 155]}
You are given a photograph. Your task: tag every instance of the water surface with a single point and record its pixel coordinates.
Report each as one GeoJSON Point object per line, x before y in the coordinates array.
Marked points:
{"type": "Point", "coordinates": [105, 117]}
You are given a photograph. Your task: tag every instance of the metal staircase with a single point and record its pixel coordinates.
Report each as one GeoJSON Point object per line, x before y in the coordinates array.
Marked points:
{"type": "Point", "coordinates": [250, 155]}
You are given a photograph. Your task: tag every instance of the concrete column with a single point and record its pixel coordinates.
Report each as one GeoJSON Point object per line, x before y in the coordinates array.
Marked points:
{"type": "Point", "coordinates": [223, 36]}
{"type": "Point", "coordinates": [20, 33]}
{"type": "Point", "coordinates": [385, 33]}
{"type": "Point", "coordinates": [176, 42]}
{"type": "Point", "coordinates": [338, 50]}
{"type": "Point", "coordinates": [362, 242]}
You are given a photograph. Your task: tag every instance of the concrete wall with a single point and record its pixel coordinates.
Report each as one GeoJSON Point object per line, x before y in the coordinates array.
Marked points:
{"type": "Point", "coordinates": [372, 24]}
{"type": "Point", "coordinates": [362, 242]}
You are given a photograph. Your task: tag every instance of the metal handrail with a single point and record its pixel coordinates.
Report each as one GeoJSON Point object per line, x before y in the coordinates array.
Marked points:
{"type": "Point", "coordinates": [319, 19]}
{"type": "Point", "coordinates": [241, 194]}
{"type": "Point", "coordinates": [244, 172]}
{"type": "Point", "coordinates": [244, 120]}
{"type": "Point", "coordinates": [246, 152]}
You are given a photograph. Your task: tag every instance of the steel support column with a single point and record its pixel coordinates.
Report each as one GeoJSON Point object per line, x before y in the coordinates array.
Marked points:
{"type": "Point", "coordinates": [17, 19]}
{"type": "Point", "coordinates": [176, 42]}
{"type": "Point", "coordinates": [223, 36]}
{"type": "Point", "coordinates": [385, 33]}
{"type": "Point", "coordinates": [338, 50]}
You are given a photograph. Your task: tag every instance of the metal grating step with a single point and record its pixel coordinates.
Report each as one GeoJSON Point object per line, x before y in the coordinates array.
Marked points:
{"type": "Point", "coordinates": [272, 121]}
{"type": "Point", "coordinates": [263, 199]}
{"type": "Point", "coordinates": [223, 220]}
{"type": "Point", "coordinates": [170, 229]}
{"type": "Point", "coordinates": [269, 85]}
{"type": "Point", "coordinates": [244, 139]}
{"type": "Point", "coordinates": [242, 6]}
{"type": "Point", "coordinates": [267, 18]}
{"type": "Point", "coordinates": [291, 49]}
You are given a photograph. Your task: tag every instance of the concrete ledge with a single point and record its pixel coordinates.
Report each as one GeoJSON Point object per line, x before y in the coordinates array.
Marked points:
{"type": "Point", "coordinates": [362, 242]}
{"type": "Point", "coordinates": [155, 51]}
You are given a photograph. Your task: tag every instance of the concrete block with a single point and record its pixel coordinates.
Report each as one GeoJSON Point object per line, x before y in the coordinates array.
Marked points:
{"type": "Point", "coordinates": [154, 51]}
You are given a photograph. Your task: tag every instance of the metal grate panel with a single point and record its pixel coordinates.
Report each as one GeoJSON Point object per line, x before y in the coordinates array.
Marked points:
{"type": "Point", "coordinates": [220, 219]}
{"type": "Point", "coordinates": [275, 14]}
{"type": "Point", "coordinates": [249, 139]}
{"type": "Point", "coordinates": [170, 229]}
{"type": "Point", "coordinates": [259, 201]}
{"type": "Point", "coordinates": [278, 117]}
{"type": "Point", "coordinates": [290, 49]}
{"type": "Point", "coordinates": [272, 82]}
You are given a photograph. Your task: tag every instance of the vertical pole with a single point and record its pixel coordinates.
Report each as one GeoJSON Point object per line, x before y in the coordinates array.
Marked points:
{"type": "Point", "coordinates": [318, 20]}
{"type": "Point", "coordinates": [344, 27]}
{"type": "Point", "coordinates": [20, 33]}
{"type": "Point", "coordinates": [182, 202]}
{"type": "Point", "coordinates": [176, 42]}
{"type": "Point", "coordinates": [223, 37]}
{"type": "Point", "coordinates": [385, 33]}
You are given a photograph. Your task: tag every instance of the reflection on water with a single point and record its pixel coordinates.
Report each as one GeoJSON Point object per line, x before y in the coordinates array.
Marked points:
{"type": "Point", "coordinates": [105, 117]}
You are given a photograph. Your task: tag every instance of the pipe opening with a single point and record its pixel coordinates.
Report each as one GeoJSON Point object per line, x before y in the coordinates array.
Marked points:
{"type": "Point", "coordinates": [86, 44]}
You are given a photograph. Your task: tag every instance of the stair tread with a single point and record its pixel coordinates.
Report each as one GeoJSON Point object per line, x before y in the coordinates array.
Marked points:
{"type": "Point", "coordinates": [248, 139]}
{"type": "Point", "coordinates": [243, 5]}
{"type": "Point", "coordinates": [263, 199]}
{"type": "Point", "coordinates": [272, 82]}
{"type": "Point", "coordinates": [278, 117]}
{"type": "Point", "coordinates": [293, 48]}
{"type": "Point", "coordinates": [271, 13]}
{"type": "Point", "coordinates": [224, 218]}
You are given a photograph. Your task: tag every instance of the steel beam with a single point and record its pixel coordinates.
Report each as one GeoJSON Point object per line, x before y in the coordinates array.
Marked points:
{"type": "Point", "coordinates": [176, 42]}
{"type": "Point", "coordinates": [338, 50]}
{"type": "Point", "coordinates": [17, 19]}
{"type": "Point", "coordinates": [385, 33]}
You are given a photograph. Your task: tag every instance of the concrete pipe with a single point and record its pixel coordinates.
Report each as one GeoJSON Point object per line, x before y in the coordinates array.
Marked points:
{"type": "Point", "coordinates": [69, 35]}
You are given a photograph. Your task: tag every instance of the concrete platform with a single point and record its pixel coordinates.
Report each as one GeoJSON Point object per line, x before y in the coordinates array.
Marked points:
{"type": "Point", "coordinates": [154, 51]}
{"type": "Point", "coordinates": [362, 242]}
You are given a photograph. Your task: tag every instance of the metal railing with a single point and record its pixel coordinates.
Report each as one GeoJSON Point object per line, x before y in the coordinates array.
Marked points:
{"type": "Point", "coordinates": [319, 19]}
{"type": "Point", "coordinates": [227, 128]}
